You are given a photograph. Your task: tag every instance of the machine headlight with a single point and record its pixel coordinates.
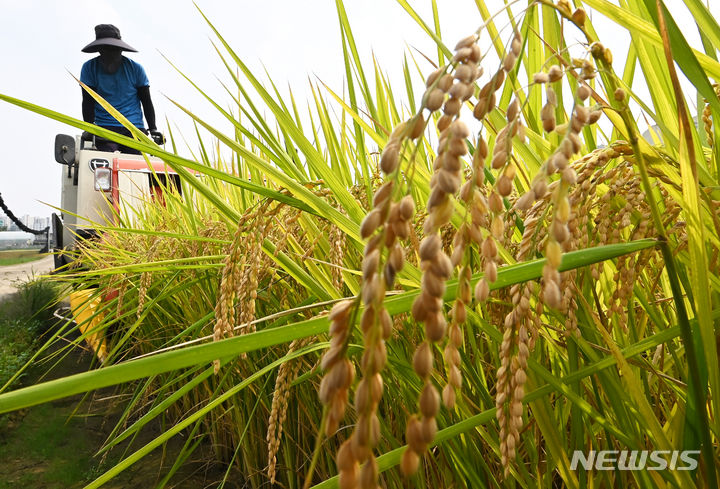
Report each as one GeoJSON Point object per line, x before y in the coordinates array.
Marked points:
{"type": "Point", "coordinates": [103, 179]}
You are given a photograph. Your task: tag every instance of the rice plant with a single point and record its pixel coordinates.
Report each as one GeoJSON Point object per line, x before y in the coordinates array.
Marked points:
{"type": "Point", "coordinates": [465, 287]}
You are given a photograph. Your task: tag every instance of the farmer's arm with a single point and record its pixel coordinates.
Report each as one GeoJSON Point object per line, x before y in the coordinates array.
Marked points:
{"type": "Point", "coordinates": [147, 105]}
{"type": "Point", "coordinates": [88, 107]}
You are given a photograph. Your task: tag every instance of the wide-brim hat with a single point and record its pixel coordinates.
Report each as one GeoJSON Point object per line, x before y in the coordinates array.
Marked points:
{"type": "Point", "coordinates": [107, 35]}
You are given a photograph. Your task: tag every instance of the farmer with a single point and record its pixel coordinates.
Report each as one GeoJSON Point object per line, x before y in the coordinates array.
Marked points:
{"type": "Point", "coordinates": [122, 83]}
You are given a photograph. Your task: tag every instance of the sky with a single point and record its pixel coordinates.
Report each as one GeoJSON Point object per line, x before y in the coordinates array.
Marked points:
{"type": "Point", "coordinates": [40, 44]}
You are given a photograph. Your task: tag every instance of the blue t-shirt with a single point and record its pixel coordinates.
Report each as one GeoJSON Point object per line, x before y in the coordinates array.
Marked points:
{"type": "Point", "coordinates": [119, 89]}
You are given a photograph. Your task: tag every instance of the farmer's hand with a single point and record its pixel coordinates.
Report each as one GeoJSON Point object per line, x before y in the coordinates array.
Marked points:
{"type": "Point", "coordinates": [157, 136]}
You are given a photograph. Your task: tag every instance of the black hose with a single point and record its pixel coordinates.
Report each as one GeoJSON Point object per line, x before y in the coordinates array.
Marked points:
{"type": "Point", "coordinates": [19, 223]}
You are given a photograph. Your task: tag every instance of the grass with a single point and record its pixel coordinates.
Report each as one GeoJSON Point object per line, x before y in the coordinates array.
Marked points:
{"type": "Point", "coordinates": [45, 448]}
{"type": "Point", "coordinates": [30, 439]}
{"type": "Point", "coordinates": [16, 257]}
{"type": "Point", "coordinates": [53, 446]}
{"type": "Point", "coordinates": [24, 318]}
{"type": "Point", "coordinates": [18, 341]}
{"type": "Point", "coordinates": [598, 331]}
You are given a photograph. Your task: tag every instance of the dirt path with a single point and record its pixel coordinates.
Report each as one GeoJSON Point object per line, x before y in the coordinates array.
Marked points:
{"type": "Point", "coordinates": [12, 275]}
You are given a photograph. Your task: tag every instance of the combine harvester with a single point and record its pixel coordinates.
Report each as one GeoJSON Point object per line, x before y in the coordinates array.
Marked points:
{"type": "Point", "coordinates": [97, 187]}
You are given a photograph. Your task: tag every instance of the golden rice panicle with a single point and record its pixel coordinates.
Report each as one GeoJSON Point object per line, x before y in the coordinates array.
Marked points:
{"type": "Point", "coordinates": [553, 250]}
{"type": "Point", "coordinates": [515, 348]}
{"type": "Point", "coordinates": [547, 113]}
{"type": "Point", "coordinates": [500, 161]}
{"type": "Point", "coordinates": [278, 412]}
{"type": "Point", "coordinates": [708, 124]}
{"type": "Point", "coordinates": [614, 224]}
{"type": "Point", "coordinates": [559, 235]}
{"type": "Point", "coordinates": [389, 163]}
{"type": "Point", "coordinates": [707, 118]}
{"type": "Point", "coordinates": [450, 89]}
{"type": "Point", "coordinates": [243, 265]}
{"type": "Point", "coordinates": [145, 282]}
{"type": "Point", "coordinates": [247, 286]}
{"type": "Point", "coordinates": [122, 286]}
{"type": "Point", "coordinates": [576, 226]}
{"type": "Point", "coordinates": [390, 157]}
{"type": "Point", "coordinates": [511, 376]}
{"type": "Point", "coordinates": [455, 338]}
{"type": "Point", "coordinates": [427, 309]}
{"type": "Point", "coordinates": [225, 307]}
{"type": "Point", "coordinates": [146, 277]}
{"type": "Point", "coordinates": [487, 98]}
{"type": "Point", "coordinates": [467, 233]}
{"type": "Point", "coordinates": [334, 387]}
{"type": "Point", "coordinates": [571, 142]}
{"type": "Point", "coordinates": [472, 195]}
{"type": "Point", "coordinates": [288, 227]}
{"type": "Point", "coordinates": [339, 371]}
{"type": "Point", "coordinates": [336, 256]}
{"type": "Point", "coordinates": [611, 223]}
{"type": "Point", "coordinates": [589, 208]}
{"type": "Point", "coordinates": [437, 267]}
{"type": "Point", "coordinates": [520, 325]}
{"type": "Point", "coordinates": [480, 209]}
{"type": "Point", "coordinates": [479, 213]}
{"type": "Point", "coordinates": [385, 225]}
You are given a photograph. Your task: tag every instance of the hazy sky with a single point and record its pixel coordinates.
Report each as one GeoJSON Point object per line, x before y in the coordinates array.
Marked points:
{"type": "Point", "coordinates": [40, 44]}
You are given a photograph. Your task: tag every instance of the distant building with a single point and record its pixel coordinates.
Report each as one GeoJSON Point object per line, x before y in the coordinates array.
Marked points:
{"type": "Point", "coordinates": [40, 223]}
{"type": "Point", "coordinates": [33, 222]}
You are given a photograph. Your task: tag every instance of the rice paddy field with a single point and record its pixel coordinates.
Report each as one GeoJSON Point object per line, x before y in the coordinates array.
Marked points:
{"type": "Point", "coordinates": [498, 271]}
